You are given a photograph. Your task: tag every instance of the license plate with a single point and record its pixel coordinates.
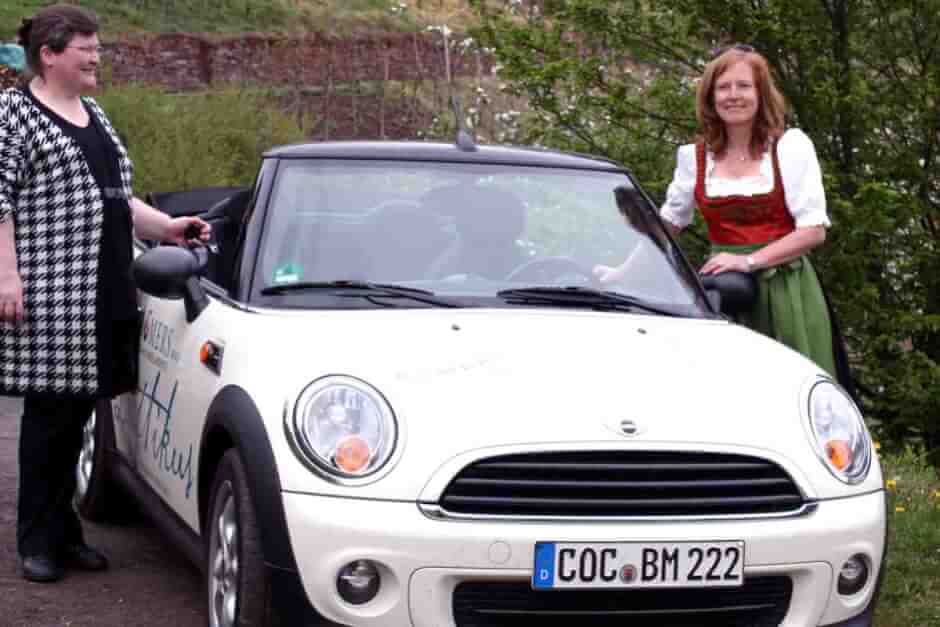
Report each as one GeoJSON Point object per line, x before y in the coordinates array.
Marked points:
{"type": "Point", "coordinates": [638, 565]}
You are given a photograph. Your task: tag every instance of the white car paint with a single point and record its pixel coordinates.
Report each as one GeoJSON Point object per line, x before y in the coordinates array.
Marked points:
{"type": "Point", "coordinates": [472, 383]}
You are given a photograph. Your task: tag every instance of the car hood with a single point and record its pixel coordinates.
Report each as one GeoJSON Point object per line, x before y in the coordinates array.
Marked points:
{"type": "Point", "coordinates": [465, 384]}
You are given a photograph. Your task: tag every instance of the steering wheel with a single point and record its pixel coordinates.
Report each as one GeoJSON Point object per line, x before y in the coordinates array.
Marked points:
{"type": "Point", "coordinates": [552, 270]}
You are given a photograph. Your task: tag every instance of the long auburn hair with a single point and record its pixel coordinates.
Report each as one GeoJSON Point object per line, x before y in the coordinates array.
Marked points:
{"type": "Point", "coordinates": [769, 121]}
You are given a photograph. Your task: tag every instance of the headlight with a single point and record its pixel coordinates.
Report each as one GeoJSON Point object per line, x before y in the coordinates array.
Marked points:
{"type": "Point", "coordinates": [345, 427]}
{"type": "Point", "coordinates": [840, 437]}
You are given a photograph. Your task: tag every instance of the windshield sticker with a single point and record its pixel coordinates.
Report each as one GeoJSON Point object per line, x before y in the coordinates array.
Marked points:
{"type": "Point", "coordinates": [288, 273]}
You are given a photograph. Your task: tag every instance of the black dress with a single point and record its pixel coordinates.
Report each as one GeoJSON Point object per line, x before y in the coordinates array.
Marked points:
{"type": "Point", "coordinates": [118, 319]}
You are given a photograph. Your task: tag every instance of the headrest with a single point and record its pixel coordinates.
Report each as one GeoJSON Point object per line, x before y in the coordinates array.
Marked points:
{"type": "Point", "coordinates": [413, 223]}
{"type": "Point", "coordinates": [479, 212]}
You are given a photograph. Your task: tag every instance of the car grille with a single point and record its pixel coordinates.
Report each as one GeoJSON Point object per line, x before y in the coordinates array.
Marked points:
{"type": "Point", "coordinates": [760, 602]}
{"type": "Point", "coordinates": [621, 484]}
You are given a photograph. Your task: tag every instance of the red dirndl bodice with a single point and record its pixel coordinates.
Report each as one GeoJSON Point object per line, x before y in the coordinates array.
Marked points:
{"type": "Point", "coordinates": [735, 220]}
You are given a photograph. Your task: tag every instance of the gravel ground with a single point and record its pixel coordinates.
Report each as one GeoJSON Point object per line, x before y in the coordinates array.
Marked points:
{"type": "Point", "coordinates": [149, 583]}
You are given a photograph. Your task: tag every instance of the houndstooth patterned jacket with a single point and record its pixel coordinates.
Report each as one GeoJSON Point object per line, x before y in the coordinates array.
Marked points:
{"type": "Point", "coordinates": [48, 190]}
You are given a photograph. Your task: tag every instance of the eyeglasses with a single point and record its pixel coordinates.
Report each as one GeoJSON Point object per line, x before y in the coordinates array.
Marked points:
{"type": "Point", "coordinates": [99, 50]}
{"type": "Point", "coordinates": [717, 52]}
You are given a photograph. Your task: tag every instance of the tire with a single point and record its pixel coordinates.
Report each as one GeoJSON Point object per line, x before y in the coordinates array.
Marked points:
{"type": "Point", "coordinates": [96, 496]}
{"type": "Point", "coordinates": [237, 583]}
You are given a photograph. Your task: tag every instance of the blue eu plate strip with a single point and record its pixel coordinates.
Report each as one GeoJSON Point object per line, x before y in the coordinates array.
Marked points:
{"type": "Point", "coordinates": [543, 577]}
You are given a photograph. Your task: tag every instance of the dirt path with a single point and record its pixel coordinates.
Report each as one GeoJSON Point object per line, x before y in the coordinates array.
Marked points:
{"type": "Point", "coordinates": [149, 583]}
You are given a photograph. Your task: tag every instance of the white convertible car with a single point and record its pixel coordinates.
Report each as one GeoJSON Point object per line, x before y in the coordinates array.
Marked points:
{"type": "Point", "coordinates": [393, 393]}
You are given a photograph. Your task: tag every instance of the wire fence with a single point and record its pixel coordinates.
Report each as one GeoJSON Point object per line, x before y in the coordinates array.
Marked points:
{"type": "Point", "coordinates": [380, 86]}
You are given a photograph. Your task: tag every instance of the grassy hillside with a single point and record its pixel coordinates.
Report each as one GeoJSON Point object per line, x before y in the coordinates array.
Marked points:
{"type": "Point", "coordinates": [231, 16]}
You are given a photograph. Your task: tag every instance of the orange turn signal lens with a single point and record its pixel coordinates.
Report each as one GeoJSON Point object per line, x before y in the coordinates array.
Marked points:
{"type": "Point", "coordinates": [839, 453]}
{"type": "Point", "coordinates": [352, 454]}
{"type": "Point", "coordinates": [205, 353]}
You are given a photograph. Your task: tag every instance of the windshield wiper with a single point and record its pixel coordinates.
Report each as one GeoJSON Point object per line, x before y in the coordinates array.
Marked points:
{"type": "Point", "coordinates": [362, 289]}
{"type": "Point", "coordinates": [578, 296]}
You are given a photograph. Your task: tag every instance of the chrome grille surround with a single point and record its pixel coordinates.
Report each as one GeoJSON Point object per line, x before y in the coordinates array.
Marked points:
{"type": "Point", "coordinates": [620, 485]}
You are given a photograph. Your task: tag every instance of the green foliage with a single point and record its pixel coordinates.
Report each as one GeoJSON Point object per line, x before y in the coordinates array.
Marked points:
{"type": "Point", "coordinates": [617, 78]}
{"type": "Point", "coordinates": [184, 141]}
{"type": "Point", "coordinates": [910, 592]}
{"type": "Point", "coordinates": [12, 13]}
{"type": "Point", "coordinates": [235, 16]}
{"type": "Point", "coordinates": [172, 15]}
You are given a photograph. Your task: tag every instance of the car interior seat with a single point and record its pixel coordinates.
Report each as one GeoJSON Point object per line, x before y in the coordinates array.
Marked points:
{"type": "Point", "coordinates": [405, 241]}
{"type": "Point", "coordinates": [329, 249]}
{"type": "Point", "coordinates": [488, 221]}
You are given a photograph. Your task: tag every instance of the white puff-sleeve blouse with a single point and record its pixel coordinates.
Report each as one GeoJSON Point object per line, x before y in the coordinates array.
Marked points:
{"type": "Point", "coordinates": [799, 169]}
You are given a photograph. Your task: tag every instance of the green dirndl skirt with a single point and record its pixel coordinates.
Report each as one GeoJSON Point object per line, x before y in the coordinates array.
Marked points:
{"type": "Point", "coordinates": [791, 308]}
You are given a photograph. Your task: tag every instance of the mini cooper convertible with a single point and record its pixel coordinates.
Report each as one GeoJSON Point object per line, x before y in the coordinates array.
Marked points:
{"type": "Point", "coordinates": [392, 391]}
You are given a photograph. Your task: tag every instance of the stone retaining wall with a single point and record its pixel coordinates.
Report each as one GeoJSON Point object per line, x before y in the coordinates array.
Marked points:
{"type": "Point", "coordinates": [186, 61]}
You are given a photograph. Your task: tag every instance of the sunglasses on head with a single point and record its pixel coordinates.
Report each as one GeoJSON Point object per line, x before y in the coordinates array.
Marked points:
{"type": "Point", "coordinates": [739, 47]}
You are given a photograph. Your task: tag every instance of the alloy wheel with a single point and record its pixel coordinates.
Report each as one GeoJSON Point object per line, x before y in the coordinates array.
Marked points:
{"type": "Point", "coordinates": [86, 460]}
{"type": "Point", "coordinates": [224, 561]}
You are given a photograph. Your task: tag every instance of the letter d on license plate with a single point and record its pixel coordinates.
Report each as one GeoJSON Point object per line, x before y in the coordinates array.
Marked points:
{"type": "Point", "coordinates": [638, 565]}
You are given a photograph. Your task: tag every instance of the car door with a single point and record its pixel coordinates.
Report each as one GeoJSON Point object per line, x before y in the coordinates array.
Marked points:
{"type": "Point", "coordinates": [174, 392]}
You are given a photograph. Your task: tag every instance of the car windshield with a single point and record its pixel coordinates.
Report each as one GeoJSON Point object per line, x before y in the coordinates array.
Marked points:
{"type": "Point", "coordinates": [465, 235]}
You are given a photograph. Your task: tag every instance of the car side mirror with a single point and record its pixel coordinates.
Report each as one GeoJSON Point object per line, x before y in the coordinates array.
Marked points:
{"type": "Point", "coordinates": [172, 272]}
{"type": "Point", "coordinates": [714, 298]}
{"type": "Point", "coordinates": [737, 291]}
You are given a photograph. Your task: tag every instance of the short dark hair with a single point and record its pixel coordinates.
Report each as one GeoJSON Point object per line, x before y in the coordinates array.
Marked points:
{"type": "Point", "coordinates": [55, 27]}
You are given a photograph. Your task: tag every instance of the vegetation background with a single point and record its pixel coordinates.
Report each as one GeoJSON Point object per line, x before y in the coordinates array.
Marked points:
{"type": "Point", "coordinates": [863, 80]}
{"type": "Point", "coordinates": [616, 78]}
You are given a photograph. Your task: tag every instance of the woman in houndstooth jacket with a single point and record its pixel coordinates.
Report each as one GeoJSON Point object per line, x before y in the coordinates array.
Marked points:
{"type": "Point", "coordinates": [68, 309]}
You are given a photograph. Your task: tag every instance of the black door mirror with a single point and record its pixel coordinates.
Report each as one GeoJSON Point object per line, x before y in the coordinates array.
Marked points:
{"type": "Point", "coordinates": [737, 290]}
{"type": "Point", "coordinates": [172, 272]}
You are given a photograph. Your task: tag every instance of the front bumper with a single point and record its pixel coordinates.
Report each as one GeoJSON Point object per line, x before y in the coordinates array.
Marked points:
{"type": "Point", "coordinates": [422, 560]}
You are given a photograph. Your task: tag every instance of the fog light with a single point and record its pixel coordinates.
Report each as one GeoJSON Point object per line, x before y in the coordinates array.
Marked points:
{"type": "Point", "coordinates": [358, 582]}
{"type": "Point", "coordinates": [854, 575]}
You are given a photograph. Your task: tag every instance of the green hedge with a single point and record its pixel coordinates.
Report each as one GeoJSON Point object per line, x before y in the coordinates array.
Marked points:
{"type": "Point", "coordinates": [204, 139]}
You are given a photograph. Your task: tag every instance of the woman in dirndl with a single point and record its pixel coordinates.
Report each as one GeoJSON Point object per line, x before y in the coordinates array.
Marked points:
{"type": "Point", "coordinates": [759, 188]}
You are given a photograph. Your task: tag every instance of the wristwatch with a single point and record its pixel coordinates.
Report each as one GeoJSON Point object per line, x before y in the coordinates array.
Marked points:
{"type": "Point", "coordinates": [751, 264]}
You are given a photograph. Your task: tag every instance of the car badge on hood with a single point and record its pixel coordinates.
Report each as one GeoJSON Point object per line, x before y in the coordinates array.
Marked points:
{"type": "Point", "coordinates": [627, 427]}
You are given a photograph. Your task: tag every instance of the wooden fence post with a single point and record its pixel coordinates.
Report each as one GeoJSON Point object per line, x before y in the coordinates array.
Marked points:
{"type": "Point", "coordinates": [387, 62]}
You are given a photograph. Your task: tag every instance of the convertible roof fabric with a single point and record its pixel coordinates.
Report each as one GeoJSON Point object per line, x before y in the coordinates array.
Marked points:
{"type": "Point", "coordinates": [190, 202]}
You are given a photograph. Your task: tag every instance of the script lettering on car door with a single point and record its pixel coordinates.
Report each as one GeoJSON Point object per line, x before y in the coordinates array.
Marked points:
{"type": "Point", "coordinates": [157, 433]}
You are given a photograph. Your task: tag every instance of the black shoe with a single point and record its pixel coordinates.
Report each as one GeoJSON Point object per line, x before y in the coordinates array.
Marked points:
{"type": "Point", "coordinates": [84, 557]}
{"type": "Point", "coordinates": [41, 568]}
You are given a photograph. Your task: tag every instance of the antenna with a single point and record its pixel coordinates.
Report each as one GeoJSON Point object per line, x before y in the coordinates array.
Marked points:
{"type": "Point", "coordinates": [464, 139]}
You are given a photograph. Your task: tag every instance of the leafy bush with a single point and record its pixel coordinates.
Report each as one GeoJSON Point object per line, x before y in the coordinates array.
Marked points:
{"type": "Point", "coordinates": [204, 139]}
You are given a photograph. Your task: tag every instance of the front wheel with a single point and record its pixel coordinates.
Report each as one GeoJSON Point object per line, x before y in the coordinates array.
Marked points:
{"type": "Point", "coordinates": [237, 582]}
